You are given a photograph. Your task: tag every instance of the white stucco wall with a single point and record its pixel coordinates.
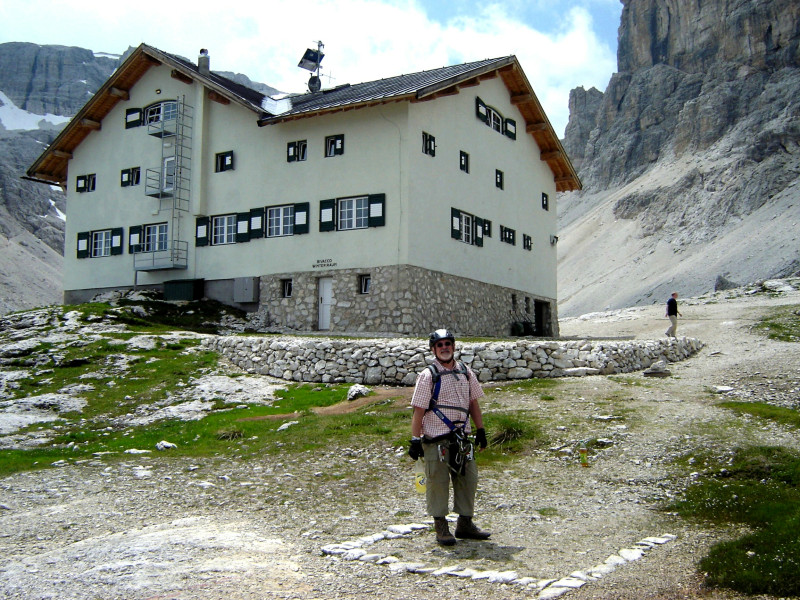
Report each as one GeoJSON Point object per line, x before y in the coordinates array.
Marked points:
{"type": "Point", "coordinates": [437, 184]}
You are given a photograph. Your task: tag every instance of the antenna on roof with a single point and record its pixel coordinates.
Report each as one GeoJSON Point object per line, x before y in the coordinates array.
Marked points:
{"type": "Point", "coordinates": [311, 61]}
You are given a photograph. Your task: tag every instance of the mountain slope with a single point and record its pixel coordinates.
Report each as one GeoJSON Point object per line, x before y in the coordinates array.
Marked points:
{"type": "Point", "coordinates": [690, 159]}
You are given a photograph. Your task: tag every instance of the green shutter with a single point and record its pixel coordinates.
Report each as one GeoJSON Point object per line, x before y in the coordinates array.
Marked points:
{"type": "Point", "coordinates": [510, 128]}
{"type": "Point", "coordinates": [327, 215]}
{"type": "Point", "coordinates": [83, 244]}
{"type": "Point", "coordinates": [301, 218]}
{"type": "Point", "coordinates": [480, 110]}
{"type": "Point", "coordinates": [133, 117]}
{"type": "Point", "coordinates": [455, 223]}
{"type": "Point", "coordinates": [202, 232]}
{"type": "Point", "coordinates": [256, 223]}
{"type": "Point", "coordinates": [116, 240]}
{"type": "Point", "coordinates": [477, 233]}
{"type": "Point", "coordinates": [135, 240]}
{"type": "Point", "coordinates": [80, 183]}
{"type": "Point", "coordinates": [242, 227]}
{"type": "Point", "coordinates": [339, 144]}
{"type": "Point", "coordinates": [377, 210]}
{"type": "Point", "coordinates": [291, 152]}
{"type": "Point", "coordinates": [125, 177]}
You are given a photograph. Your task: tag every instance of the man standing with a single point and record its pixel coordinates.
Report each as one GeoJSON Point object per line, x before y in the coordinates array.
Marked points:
{"type": "Point", "coordinates": [445, 397]}
{"type": "Point", "coordinates": [672, 314]}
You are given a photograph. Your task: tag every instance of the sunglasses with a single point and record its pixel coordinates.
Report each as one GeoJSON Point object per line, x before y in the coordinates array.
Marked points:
{"type": "Point", "coordinates": [444, 344]}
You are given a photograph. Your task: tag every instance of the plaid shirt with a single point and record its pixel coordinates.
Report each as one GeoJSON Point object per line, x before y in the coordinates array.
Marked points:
{"type": "Point", "coordinates": [456, 390]}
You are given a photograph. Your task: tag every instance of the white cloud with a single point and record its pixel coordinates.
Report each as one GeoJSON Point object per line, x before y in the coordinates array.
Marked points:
{"type": "Point", "coordinates": [364, 39]}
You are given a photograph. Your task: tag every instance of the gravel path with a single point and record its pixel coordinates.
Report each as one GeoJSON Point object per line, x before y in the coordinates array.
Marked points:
{"type": "Point", "coordinates": [151, 527]}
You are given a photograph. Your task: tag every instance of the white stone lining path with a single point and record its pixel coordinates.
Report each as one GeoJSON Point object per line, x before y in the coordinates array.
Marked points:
{"type": "Point", "coordinates": [545, 589]}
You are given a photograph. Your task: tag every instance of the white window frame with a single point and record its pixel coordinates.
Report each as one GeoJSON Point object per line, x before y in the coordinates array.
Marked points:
{"type": "Point", "coordinates": [301, 150]}
{"type": "Point", "coordinates": [364, 284]}
{"type": "Point", "coordinates": [495, 120]}
{"type": "Point", "coordinates": [166, 110]}
{"type": "Point", "coordinates": [466, 228]}
{"type": "Point", "coordinates": [287, 286]}
{"type": "Point", "coordinates": [280, 221]}
{"type": "Point", "coordinates": [168, 174]}
{"type": "Point", "coordinates": [223, 230]}
{"type": "Point", "coordinates": [101, 243]}
{"type": "Point", "coordinates": [155, 238]}
{"type": "Point", "coordinates": [353, 213]}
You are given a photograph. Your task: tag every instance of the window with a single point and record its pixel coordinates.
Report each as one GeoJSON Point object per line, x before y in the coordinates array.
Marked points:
{"type": "Point", "coordinates": [487, 228]}
{"type": "Point", "coordinates": [364, 283]}
{"type": "Point", "coordinates": [130, 176]}
{"type": "Point", "coordinates": [334, 145]}
{"type": "Point", "coordinates": [527, 304]}
{"type": "Point", "coordinates": [428, 144]}
{"type": "Point", "coordinates": [286, 288]}
{"type": "Point", "coordinates": [296, 151]}
{"type": "Point", "coordinates": [514, 302]}
{"type": "Point", "coordinates": [224, 162]}
{"type": "Point", "coordinates": [85, 183]}
{"type": "Point", "coordinates": [101, 243]}
{"type": "Point", "coordinates": [466, 228]}
{"type": "Point", "coordinates": [353, 213]}
{"type": "Point", "coordinates": [498, 179]}
{"type": "Point", "coordinates": [280, 221]}
{"type": "Point", "coordinates": [168, 174]}
{"type": "Point", "coordinates": [155, 238]}
{"type": "Point", "coordinates": [223, 230]}
{"type": "Point", "coordinates": [545, 201]}
{"type": "Point", "coordinates": [508, 235]}
{"type": "Point", "coordinates": [464, 161]}
{"type": "Point", "coordinates": [527, 242]}
{"type": "Point", "coordinates": [495, 120]}
{"type": "Point", "coordinates": [161, 111]}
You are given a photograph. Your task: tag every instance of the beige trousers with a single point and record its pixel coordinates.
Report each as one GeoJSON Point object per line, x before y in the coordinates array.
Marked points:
{"type": "Point", "coordinates": [437, 484]}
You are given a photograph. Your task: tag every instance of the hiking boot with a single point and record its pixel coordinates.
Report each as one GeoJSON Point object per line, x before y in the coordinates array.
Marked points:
{"type": "Point", "coordinates": [443, 535]}
{"type": "Point", "coordinates": [466, 529]}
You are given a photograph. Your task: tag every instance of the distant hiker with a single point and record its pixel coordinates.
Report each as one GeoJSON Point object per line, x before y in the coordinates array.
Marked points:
{"type": "Point", "coordinates": [672, 314]}
{"type": "Point", "coordinates": [445, 397]}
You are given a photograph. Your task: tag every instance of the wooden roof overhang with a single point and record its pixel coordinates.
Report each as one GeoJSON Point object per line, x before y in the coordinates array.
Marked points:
{"type": "Point", "coordinates": [51, 166]}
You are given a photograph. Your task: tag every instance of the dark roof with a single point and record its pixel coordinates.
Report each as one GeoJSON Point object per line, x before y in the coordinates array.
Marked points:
{"type": "Point", "coordinates": [51, 166]}
{"type": "Point", "coordinates": [384, 89]}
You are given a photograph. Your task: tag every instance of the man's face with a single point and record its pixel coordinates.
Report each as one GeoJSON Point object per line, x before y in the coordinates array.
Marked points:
{"type": "Point", "coordinates": [444, 351]}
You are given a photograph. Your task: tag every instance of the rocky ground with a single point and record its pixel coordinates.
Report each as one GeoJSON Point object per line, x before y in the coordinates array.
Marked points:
{"type": "Point", "coordinates": [151, 527]}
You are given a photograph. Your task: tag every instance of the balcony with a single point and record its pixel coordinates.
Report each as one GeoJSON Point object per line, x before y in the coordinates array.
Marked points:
{"type": "Point", "coordinates": [174, 257]}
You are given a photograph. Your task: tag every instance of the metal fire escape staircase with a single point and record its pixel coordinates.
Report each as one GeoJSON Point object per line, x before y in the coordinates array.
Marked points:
{"type": "Point", "coordinates": [169, 184]}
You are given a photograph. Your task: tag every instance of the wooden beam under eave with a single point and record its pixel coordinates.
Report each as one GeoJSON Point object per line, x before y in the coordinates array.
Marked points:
{"type": "Point", "coordinates": [553, 155]}
{"type": "Point", "coordinates": [470, 83]}
{"type": "Point", "coordinates": [534, 127]}
{"type": "Point", "coordinates": [212, 95]}
{"type": "Point", "coordinates": [182, 77]}
{"type": "Point", "coordinates": [62, 154]}
{"type": "Point", "coordinates": [520, 98]}
{"type": "Point", "coordinates": [90, 124]}
{"type": "Point", "coordinates": [119, 93]}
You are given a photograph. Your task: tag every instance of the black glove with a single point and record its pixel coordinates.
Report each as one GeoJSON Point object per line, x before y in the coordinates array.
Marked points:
{"type": "Point", "coordinates": [480, 438]}
{"type": "Point", "coordinates": [415, 449]}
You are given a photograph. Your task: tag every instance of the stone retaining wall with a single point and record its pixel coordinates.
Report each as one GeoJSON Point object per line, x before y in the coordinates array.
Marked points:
{"type": "Point", "coordinates": [397, 361]}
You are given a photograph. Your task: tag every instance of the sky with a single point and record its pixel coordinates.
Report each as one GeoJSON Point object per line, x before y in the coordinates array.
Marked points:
{"type": "Point", "coordinates": [561, 44]}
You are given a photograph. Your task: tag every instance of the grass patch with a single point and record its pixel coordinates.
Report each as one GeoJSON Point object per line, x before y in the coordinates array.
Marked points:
{"type": "Point", "coordinates": [779, 414]}
{"type": "Point", "coordinates": [782, 324]}
{"type": "Point", "coordinates": [760, 489]}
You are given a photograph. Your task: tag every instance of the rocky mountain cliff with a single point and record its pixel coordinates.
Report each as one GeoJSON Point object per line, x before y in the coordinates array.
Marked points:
{"type": "Point", "coordinates": [41, 86]}
{"type": "Point", "coordinates": [690, 159]}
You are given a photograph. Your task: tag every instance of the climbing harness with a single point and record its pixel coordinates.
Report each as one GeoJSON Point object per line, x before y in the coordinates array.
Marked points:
{"type": "Point", "coordinates": [460, 447]}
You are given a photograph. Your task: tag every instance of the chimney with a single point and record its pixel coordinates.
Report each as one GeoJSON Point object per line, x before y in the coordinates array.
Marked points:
{"type": "Point", "coordinates": [204, 62]}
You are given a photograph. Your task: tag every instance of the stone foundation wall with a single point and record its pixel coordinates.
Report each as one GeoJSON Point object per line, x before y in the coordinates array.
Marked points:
{"type": "Point", "coordinates": [397, 361]}
{"type": "Point", "coordinates": [402, 300]}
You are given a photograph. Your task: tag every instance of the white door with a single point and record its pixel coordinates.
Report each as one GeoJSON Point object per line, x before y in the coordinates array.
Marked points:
{"type": "Point", "coordinates": [325, 300]}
